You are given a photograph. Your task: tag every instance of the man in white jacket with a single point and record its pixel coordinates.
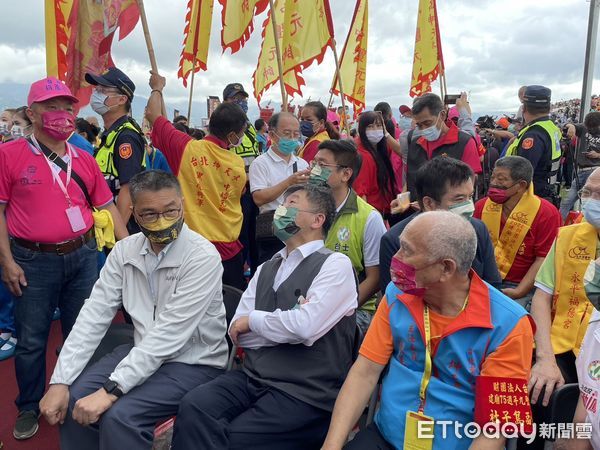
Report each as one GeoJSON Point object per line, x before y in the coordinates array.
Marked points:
{"type": "Point", "coordinates": [168, 278]}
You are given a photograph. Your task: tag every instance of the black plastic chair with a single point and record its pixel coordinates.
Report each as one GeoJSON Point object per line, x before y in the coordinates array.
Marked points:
{"type": "Point", "coordinates": [564, 403]}
{"type": "Point", "coordinates": [117, 334]}
{"type": "Point", "coordinates": [231, 300]}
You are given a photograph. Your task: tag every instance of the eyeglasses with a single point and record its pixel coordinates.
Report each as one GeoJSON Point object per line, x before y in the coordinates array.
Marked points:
{"type": "Point", "coordinates": [153, 217]}
{"type": "Point", "coordinates": [314, 163]}
{"type": "Point", "coordinates": [288, 134]}
{"type": "Point", "coordinates": [109, 90]}
{"type": "Point", "coordinates": [586, 193]}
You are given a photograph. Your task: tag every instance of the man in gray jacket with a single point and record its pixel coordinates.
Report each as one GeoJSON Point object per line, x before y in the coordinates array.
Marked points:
{"type": "Point", "coordinates": [168, 278]}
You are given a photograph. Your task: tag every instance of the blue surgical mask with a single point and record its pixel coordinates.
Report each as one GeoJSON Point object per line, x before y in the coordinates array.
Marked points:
{"type": "Point", "coordinates": [306, 128]}
{"type": "Point", "coordinates": [242, 103]}
{"type": "Point", "coordinates": [430, 134]}
{"type": "Point", "coordinates": [405, 123]}
{"type": "Point", "coordinates": [591, 212]}
{"type": "Point", "coordinates": [287, 146]}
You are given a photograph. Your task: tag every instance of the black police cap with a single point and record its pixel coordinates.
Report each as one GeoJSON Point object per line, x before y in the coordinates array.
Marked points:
{"type": "Point", "coordinates": [233, 89]}
{"type": "Point", "coordinates": [113, 77]}
{"type": "Point", "coordinates": [537, 95]}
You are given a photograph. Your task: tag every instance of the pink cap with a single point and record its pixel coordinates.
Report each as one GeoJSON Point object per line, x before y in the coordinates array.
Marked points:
{"type": "Point", "coordinates": [48, 88]}
{"type": "Point", "coordinates": [332, 117]}
{"type": "Point", "coordinates": [453, 113]}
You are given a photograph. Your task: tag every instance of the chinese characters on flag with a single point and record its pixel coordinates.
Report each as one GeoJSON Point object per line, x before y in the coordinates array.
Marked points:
{"type": "Point", "coordinates": [81, 42]}
{"type": "Point", "coordinates": [428, 61]}
{"type": "Point", "coordinates": [198, 21]}
{"type": "Point", "coordinates": [267, 71]}
{"type": "Point", "coordinates": [353, 62]}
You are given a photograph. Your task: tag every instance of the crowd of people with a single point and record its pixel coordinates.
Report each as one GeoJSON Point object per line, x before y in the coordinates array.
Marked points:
{"type": "Point", "coordinates": [424, 259]}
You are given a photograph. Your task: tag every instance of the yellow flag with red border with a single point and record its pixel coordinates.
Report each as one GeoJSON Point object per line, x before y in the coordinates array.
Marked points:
{"type": "Point", "coordinates": [307, 32]}
{"type": "Point", "coordinates": [56, 14]}
{"type": "Point", "coordinates": [267, 70]}
{"type": "Point", "coordinates": [198, 21]}
{"type": "Point", "coordinates": [353, 61]}
{"type": "Point", "coordinates": [237, 20]}
{"type": "Point", "coordinates": [428, 61]}
{"type": "Point", "coordinates": [79, 36]}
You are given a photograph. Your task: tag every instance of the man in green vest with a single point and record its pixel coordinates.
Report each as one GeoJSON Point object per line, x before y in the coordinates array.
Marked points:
{"type": "Point", "coordinates": [539, 142]}
{"type": "Point", "coordinates": [248, 149]}
{"type": "Point", "coordinates": [358, 227]}
{"type": "Point", "coordinates": [121, 153]}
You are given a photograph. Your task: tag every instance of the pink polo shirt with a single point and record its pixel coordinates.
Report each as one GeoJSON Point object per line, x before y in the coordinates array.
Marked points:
{"type": "Point", "coordinates": [35, 204]}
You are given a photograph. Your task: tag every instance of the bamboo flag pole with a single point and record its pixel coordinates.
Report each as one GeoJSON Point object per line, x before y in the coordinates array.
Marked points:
{"type": "Point", "coordinates": [339, 79]}
{"type": "Point", "coordinates": [279, 58]}
{"type": "Point", "coordinates": [189, 116]}
{"type": "Point", "coordinates": [150, 47]}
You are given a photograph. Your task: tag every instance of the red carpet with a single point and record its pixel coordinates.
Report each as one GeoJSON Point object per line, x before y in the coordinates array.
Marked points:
{"type": "Point", "coordinates": [47, 437]}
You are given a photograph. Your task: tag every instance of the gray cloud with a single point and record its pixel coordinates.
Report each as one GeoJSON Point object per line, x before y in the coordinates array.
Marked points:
{"type": "Point", "coordinates": [490, 49]}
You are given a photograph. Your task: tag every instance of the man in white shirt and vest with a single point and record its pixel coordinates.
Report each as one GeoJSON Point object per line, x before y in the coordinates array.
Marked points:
{"type": "Point", "coordinates": [297, 326]}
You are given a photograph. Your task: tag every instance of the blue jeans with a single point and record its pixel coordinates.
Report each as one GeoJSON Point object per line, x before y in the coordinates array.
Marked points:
{"type": "Point", "coordinates": [7, 310]}
{"type": "Point", "coordinates": [52, 280]}
{"type": "Point", "coordinates": [568, 202]}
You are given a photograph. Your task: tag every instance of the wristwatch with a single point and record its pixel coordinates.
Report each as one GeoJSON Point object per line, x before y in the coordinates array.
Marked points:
{"type": "Point", "coordinates": [111, 387]}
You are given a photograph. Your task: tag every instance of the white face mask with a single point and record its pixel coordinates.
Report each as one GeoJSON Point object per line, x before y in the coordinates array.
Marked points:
{"type": "Point", "coordinates": [374, 136]}
{"type": "Point", "coordinates": [4, 128]}
{"type": "Point", "coordinates": [17, 132]}
{"type": "Point", "coordinates": [430, 134]}
{"type": "Point", "coordinates": [97, 102]}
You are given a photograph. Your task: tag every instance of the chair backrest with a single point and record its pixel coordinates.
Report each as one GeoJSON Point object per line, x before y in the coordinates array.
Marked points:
{"type": "Point", "coordinates": [117, 334]}
{"type": "Point", "coordinates": [231, 299]}
{"type": "Point", "coordinates": [564, 403]}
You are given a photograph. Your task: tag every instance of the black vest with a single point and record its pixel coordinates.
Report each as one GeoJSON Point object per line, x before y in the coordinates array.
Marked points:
{"type": "Point", "coordinates": [312, 374]}
{"type": "Point", "coordinates": [417, 156]}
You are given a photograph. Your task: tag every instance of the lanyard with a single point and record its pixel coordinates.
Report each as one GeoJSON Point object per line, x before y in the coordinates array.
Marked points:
{"type": "Point", "coordinates": [428, 360]}
{"type": "Point", "coordinates": [55, 174]}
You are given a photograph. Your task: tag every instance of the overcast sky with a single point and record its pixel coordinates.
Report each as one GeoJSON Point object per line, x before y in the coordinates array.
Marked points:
{"type": "Point", "coordinates": [490, 49]}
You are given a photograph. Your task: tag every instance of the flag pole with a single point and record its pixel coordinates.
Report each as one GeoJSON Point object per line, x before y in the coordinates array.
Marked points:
{"type": "Point", "coordinates": [189, 116]}
{"type": "Point", "coordinates": [279, 58]}
{"type": "Point", "coordinates": [339, 80]}
{"type": "Point", "coordinates": [150, 47]}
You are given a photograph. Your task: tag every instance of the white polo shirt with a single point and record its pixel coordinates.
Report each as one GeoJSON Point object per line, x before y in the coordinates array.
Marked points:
{"type": "Point", "coordinates": [270, 169]}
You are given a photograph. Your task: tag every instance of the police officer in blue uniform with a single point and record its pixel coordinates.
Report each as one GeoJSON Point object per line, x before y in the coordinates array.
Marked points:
{"type": "Point", "coordinates": [122, 150]}
{"type": "Point", "coordinates": [539, 142]}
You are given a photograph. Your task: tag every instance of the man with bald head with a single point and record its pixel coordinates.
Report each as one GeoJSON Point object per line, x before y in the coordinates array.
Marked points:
{"type": "Point", "coordinates": [436, 313]}
{"type": "Point", "coordinates": [271, 174]}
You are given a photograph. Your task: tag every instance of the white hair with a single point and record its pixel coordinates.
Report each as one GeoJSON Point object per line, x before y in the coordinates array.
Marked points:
{"type": "Point", "coordinates": [449, 236]}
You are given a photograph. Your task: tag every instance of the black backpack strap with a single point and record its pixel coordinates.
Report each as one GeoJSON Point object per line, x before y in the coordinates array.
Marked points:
{"type": "Point", "coordinates": [53, 157]}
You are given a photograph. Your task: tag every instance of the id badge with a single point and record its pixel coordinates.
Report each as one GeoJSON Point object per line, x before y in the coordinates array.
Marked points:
{"type": "Point", "coordinates": [418, 437]}
{"type": "Point", "coordinates": [75, 218]}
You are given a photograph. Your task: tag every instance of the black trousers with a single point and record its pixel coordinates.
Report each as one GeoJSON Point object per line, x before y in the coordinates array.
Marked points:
{"type": "Point", "coordinates": [236, 412]}
{"type": "Point", "coordinates": [541, 413]}
{"type": "Point", "coordinates": [369, 439]}
{"type": "Point", "coordinates": [233, 272]}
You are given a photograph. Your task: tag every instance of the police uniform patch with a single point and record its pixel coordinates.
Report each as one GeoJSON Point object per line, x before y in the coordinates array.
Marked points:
{"type": "Point", "coordinates": [125, 151]}
{"type": "Point", "coordinates": [527, 143]}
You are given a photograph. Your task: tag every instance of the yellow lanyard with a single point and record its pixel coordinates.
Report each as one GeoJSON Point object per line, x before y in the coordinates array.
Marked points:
{"type": "Point", "coordinates": [428, 363]}
{"type": "Point", "coordinates": [428, 360]}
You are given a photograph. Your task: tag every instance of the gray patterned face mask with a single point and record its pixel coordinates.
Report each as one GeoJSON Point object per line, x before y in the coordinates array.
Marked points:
{"type": "Point", "coordinates": [591, 284]}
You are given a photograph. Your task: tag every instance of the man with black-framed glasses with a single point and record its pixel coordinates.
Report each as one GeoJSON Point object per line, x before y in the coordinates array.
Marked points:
{"type": "Point", "coordinates": [121, 153]}
{"type": "Point", "coordinates": [168, 278]}
{"type": "Point", "coordinates": [358, 227]}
